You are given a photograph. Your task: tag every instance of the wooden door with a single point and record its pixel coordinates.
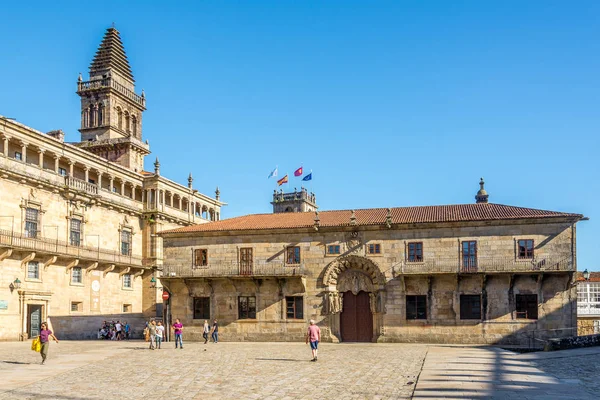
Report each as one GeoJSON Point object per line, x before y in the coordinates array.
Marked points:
{"type": "Point", "coordinates": [356, 319]}
{"type": "Point", "coordinates": [34, 320]}
{"type": "Point", "coordinates": [246, 261]}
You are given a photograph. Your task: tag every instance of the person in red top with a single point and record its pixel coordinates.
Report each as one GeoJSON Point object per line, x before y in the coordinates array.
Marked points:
{"type": "Point", "coordinates": [45, 335]}
{"type": "Point", "coordinates": [314, 336]}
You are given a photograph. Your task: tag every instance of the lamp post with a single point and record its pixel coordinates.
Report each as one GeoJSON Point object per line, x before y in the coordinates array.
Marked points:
{"type": "Point", "coordinates": [586, 275]}
{"type": "Point", "coordinates": [15, 285]}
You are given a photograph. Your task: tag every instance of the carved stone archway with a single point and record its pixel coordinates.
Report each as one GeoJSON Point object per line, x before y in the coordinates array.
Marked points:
{"type": "Point", "coordinates": [353, 274]}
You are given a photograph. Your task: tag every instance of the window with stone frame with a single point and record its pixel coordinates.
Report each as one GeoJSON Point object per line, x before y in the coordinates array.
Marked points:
{"type": "Point", "coordinates": [75, 234]}
{"type": "Point", "coordinates": [32, 220]}
{"type": "Point", "coordinates": [293, 255]}
{"type": "Point", "coordinates": [202, 308]}
{"type": "Point", "coordinates": [470, 306]}
{"type": "Point", "coordinates": [33, 270]}
{"type": "Point", "coordinates": [62, 171]}
{"type": "Point", "coordinates": [374, 248]}
{"type": "Point", "coordinates": [294, 306]}
{"type": "Point", "coordinates": [525, 247]}
{"type": "Point", "coordinates": [127, 308]}
{"type": "Point", "coordinates": [246, 307]}
{"type": "Point", "coordinates": [469, 255]}
{"type": "Point", "coordinates": [126, 242]}
{"type": "Point", "coordinates": [127, 281]}
{"type": "Point", "coordinates": [333, 249]}
{"type": "Point", "coordinates": [415, 252]}
{"type": "Point", "coordinates": [416, 307]}
{"type": "Point", "coordinates": [200, 257]}
{"type": "Point", "coordinates": [527, 306]}
{"type": "Point", "coordinates": [76, 306]}
{"type": "Point", "coordinates": [76, 275]}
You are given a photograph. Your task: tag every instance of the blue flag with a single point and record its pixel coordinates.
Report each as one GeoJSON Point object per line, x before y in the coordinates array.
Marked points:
{"type": "Point", "coordinates": [273, 173]}
{"type": "Point", "coordinates": [307, 177]}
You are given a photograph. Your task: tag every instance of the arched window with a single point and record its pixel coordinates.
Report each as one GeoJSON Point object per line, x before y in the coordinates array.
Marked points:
{"type": "Point", "coordinates": [119, 118]}
{"type": "Point", "coordinates": [134, 126]}
{"type": "Point", "coordinates": [126, 121]}
{"type": "Point", "coordinates": [92, 119]}
{"type": "Point", "coordinates": [100, 114]}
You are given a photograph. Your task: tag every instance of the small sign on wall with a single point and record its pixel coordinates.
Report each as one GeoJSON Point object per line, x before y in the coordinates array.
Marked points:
{"type": "Point", "coordinates": [3, 305]}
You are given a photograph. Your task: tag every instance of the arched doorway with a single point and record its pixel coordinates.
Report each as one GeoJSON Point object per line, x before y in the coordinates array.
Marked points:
{"type": "Point", "coordinates": [355, 295]}
{"type": "Point", "coordinates": [356, 318]}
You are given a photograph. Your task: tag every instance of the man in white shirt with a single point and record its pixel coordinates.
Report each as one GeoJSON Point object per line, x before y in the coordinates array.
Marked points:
{"type": "Point", "coordinates": [118, 328]}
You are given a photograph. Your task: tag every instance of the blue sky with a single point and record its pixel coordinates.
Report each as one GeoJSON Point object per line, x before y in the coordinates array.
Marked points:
{"type": "Point", "coordinates": [390, 103]}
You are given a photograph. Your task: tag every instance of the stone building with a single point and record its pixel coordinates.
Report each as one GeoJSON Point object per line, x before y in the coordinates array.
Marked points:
{"type": "Point", "coordinates": [78, 221]}
{"type": "Point", "coordinates": [588, 303]}
{"type": "Point", "coordinates": [467, 273]}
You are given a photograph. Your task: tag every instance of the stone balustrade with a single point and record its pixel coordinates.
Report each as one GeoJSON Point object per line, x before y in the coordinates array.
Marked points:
{"type": "Point", "coordinates": [110, 83]}
{"type": "Point", "coordinates": [233, 269]}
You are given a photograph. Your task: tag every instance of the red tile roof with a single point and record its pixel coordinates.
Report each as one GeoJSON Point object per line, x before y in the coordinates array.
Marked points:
{"type": "Point", "coordinates": [594, 277]}
{"type": "Point", "coordinates": [146, 173]}
{"type": "Point", "coordinates": [376, 216]}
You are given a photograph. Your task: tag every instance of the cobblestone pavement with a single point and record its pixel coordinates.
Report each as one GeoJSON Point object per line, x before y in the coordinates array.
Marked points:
{"type": "Point", "coordinates": [100, 370]}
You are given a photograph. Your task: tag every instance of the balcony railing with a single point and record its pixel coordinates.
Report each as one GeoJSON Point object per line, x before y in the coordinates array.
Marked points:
{"type": "Point", "coordinates": [79, 184]}
{"type": "Point", "coordinates": [484, 265]}
{"type": "Point", "coordinates": [109, 82]}
{"type": "Point", "coordinates": [588, 308]}
{"type": "Point", "coordinates": [60, 248]}
{"type": "Point", "coordinates": [234, 269]}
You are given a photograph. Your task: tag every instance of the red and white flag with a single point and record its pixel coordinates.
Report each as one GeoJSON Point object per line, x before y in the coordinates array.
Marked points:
{"type": "Point", "coordinates": [298, 172]}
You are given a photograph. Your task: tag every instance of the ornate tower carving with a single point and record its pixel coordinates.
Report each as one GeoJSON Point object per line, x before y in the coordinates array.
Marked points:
{"type": "Point", "coordinates": [301, 201]}
{"type": "Point", "coordinates": [111, 111]}
{"type": "Point", "coordinates": [481, 196]}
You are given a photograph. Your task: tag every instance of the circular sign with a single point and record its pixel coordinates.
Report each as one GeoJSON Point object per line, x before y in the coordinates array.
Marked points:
{"type": "Point", "coordinates": [95, 286]}
{"type": "Point", "coordinates": [165, 295]}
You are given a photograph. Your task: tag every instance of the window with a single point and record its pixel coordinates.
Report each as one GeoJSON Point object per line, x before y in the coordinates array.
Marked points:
{"type": "Point", "coordinates": [527, 306]}
{"type": "Point", "coordinates": [33, 270]}
{"type": "Point", "coordinates": [200, 257]}
{"type": "Point", "coordinates": [293, 255]}
{"type": "Point", "coordinates": [294, 307]}
{"type": "Point", "coordinates": [525, 248]}
{"type": "Point", "coordinates": [247, 307]}
{"type": "Point", "coordinates": [374, 248]}
{"type": "Point", "coordinates": [92, 181]}
{"type": "Point", "coordinates": [246, 261]}
{"type": "Point", "coordinates": [127, 281]}
{"type": "Point", "coordinates": [126, 308]}
{"type": "Point", "coordinates": [18, 156]}
{"type": "Point", "coordinates": [126, 243]}
{"type": "Point", "coordinates": [76, 276]}
{"type": "Point", "coordinates": [415, 251]}
{"type": "Point", "coordinates": [201, 307]}
{"type": "Point", "coordinates": [469, 255]}
{"type": "Point", "coordinates": [333, 249]}
{"type": "Point", "coordinates": [62, 171]}
{"type": "Point", "coordinates": [470, 306]}
{"type": "Point", "coordinates": [31, 222]}
{"type": "Point", "coordinates": [75, 236]}
{"type": "Point", "coordinates": [416, 307]}
{"type": "Point", "coordinates": [76, 306]}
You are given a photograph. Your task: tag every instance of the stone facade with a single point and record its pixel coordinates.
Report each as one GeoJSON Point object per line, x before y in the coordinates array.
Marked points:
{"type": "Point", "coordinates": [339, 261]}
{"type": "Point", "coordinates": [78, 226]}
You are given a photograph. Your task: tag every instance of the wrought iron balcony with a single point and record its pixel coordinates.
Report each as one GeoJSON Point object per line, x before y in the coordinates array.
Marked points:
{"type": "Point", "coordinates": [37, 244]}
{"type": "Point", "coordinates": [427, 266]}
{"type": "Point", "coordinates": [234, 269]}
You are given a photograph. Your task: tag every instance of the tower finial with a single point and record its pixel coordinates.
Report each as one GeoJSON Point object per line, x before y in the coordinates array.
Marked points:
{"type": "Point", "coordinates": [156, 167]}
{"type": "Point", "coordinates": [113, 25]}
{"type": "Point", "coordinates": [80, 78]}
{"type": "Point", "coordinates": [217, 193]}
{"type": "Point", "coordinates": [190, 180]}
{"type": "Point", "coordinates": [481, 196]}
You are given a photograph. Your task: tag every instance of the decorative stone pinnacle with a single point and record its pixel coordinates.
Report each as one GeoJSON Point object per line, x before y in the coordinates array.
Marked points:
{"type": "Point", "coordinates": [481, 196]}
{"type": "Point", "coordinates": [80, 78]}
{"type": "Point", "coordinates": [388, 218]}
{"type": "Point", "coordinates": [317, 221]}
{"type": "Point", "coordinates": [143, 93]}
{"type": "Point", "coordinates": [156, 167]}
{"type": "Point", "coordinates": [353, 218]}
{"type": "Point", "coordinates": [217, 193]}
{"type": "Point", "coordinates": [190, 180]}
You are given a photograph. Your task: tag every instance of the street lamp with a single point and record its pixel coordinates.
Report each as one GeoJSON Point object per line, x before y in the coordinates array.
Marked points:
{"type": "Point", "coordinates": [153, 282]}
{"type": "Point", "coordinates": [15, 285]}
{"type": "Point", "coordinates": [586, 275]}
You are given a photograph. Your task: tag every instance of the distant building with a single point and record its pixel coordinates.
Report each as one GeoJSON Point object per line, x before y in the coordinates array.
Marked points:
{"type": "Point", "coordinates": [588, 303]}
{"type": "Point", "coordinates": [78, 221]}
{"type": "Point", "coordinates": [466, 273]}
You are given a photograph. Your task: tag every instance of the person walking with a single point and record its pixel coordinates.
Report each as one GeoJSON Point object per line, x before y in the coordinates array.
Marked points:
{"type": "Point", "coordinates": [127, 329]}
{"type": "Point", "coordinates": [160, 333]}
{"type": "Point", "coordinates": [314, 336]}
{"type": "Point", "coordinates": [178, 328]}
{"type": "Point", "coordinates": [152, 333]}
{"type": "Point", "coordinates": [206, 331]}
{"type": "Point", "coordinates": [118, 330]}
{"type": "Point", "coordinates": [215, 331]}
{"type": "Point", "coordinates": [45, 335]}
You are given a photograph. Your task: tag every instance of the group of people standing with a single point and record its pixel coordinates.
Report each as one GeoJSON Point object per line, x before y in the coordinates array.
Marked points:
{"type": "Point", "coordinates": [155, 334]}
{"type": "Point", "coordinates": [114, 330]}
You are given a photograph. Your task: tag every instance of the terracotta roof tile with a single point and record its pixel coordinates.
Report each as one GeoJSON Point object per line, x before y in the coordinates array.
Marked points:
{"type": "Point", "coordinates": [375, 216]}
{"type": "Point", "coordinates": [594, 277]}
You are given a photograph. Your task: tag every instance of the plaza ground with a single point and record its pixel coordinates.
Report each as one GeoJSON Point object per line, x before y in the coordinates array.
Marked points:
{"type": "Point", "coordinates": [128, 370]}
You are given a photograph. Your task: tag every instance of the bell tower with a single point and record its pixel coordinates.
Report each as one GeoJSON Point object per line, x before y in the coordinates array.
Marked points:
{"type": "Point", "coordinates": [298, 201]}
{"type": "Point", "coordinates": [111, 111]}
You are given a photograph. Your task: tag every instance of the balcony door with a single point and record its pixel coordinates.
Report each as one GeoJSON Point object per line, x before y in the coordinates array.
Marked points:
{"type": "Point", "coordinates": [34, 319]}
{"type": "Point", "coordinates": [246, 261]}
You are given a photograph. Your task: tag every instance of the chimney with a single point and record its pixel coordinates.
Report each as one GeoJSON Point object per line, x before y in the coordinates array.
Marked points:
{"type": "Point", "coordinates": [57, 134]}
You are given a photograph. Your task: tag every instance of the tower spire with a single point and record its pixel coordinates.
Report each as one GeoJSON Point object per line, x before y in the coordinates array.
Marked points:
{"type": "Point", "coordinates": [482, 195]}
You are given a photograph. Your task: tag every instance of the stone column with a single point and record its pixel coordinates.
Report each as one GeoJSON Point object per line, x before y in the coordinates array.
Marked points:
{"type": "Point", "coordinates": [171, 199]}
{"type": "Point", "coordinates": [86, 170]}
{"type": "Point", "coordinates": [111, 180]}
{"type": "Point", "coordinates": [71, 164]}
{"type": "Point", "coordinates": [5, 146]}
{"type": "Point", "coordinates": [41, 158]}
{"type": "Point", "coordinates": [122, 187]}
{"type": "Point", "coordinates": [99, 183]}
{"type": "Point", "coordinates": [24, 152]}
{"type": "Point", "coordinates": [180, 203]}
{"type": "Point", "coordinates": [56, 161]}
